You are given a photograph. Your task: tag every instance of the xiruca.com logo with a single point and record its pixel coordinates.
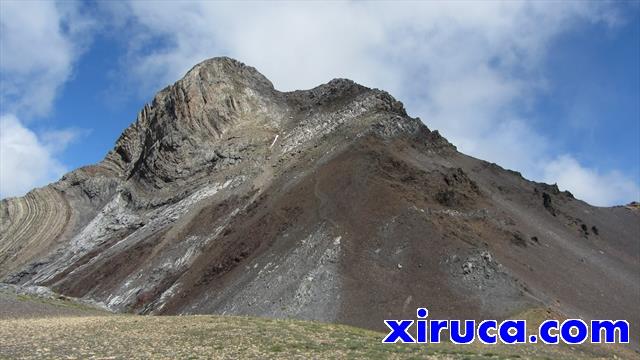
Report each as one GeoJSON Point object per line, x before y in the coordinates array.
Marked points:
{"type": "Point", "coordinates": [571, 331]}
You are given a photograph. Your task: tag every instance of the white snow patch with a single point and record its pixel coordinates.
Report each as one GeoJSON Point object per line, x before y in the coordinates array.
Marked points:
{"type": "Point", "coordinates": [274, 141]}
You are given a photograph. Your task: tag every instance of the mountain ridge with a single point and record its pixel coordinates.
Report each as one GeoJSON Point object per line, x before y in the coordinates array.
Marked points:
{"type": "Point", "coordinates": [228, 196]}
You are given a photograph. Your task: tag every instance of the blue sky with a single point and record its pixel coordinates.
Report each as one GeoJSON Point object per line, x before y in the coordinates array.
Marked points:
{"type": "Point", "coordinates": [548, 89]}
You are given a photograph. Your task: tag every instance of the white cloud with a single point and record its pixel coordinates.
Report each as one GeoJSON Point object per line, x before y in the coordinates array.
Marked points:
{"type": "Point", "coordinates": [39, 42]}
{"type": "Point", "coordinates": [589, 185]}
{"type": "Point", "coordinates": [299, 45]}
{"type": "Point", "coordinates": [26, 159]}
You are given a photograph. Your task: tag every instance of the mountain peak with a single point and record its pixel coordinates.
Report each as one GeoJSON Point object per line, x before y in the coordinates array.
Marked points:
{"type": "Point", "coordinates": [188, 121]}
{"type": "Point", "coordinates": [228, 196]}
{"type": "Point", "coordinates": [226, 69]}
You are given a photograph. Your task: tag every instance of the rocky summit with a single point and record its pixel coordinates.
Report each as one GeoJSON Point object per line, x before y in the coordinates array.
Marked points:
{"type": "Point", "coordinates": [227, 196]}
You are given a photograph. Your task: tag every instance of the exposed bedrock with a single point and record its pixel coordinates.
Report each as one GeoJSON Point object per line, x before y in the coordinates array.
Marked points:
{"type": "Point", "coordinates": [228, 196]}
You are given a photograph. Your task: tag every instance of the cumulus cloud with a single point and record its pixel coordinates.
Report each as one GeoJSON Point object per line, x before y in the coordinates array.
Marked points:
{"type": "Point", "coordinates": [39, 43]}
{"type": "Point", "coordinates": [588, 184]}
{"type": "Point", "coordinates": [299, 45]}
{"type": "Point", "coordinates": [26, 159]}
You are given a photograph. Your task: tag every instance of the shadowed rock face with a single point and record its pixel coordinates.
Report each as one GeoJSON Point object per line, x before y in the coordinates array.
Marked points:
{"type": "Point", "coordinates": [228, 196]}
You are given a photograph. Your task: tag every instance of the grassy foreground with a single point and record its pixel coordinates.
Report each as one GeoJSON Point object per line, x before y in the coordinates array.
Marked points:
{"type": "Point", "coordinates": [223, 337]}
{"type": "Point", "coordinates": [54, 328]}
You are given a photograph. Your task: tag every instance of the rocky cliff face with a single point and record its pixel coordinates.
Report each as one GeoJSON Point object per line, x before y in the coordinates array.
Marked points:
{"type": "Point", "coordinates": [228, 196]}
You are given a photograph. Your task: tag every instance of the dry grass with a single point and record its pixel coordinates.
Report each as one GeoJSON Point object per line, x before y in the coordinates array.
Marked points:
{"type": "Point", "coordinates": [222, 337]}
